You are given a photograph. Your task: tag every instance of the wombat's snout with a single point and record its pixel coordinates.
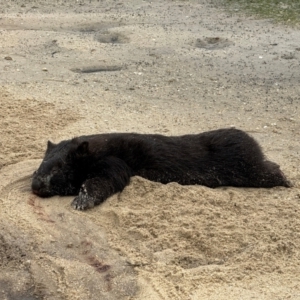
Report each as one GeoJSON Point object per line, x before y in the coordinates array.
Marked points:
{"type": "Point", "coordinates": [37, 185]}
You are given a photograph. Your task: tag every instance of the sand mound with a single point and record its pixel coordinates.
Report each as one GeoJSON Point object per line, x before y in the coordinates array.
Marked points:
{"type": "Point", "coordinates": [20, 118]}
{"type": "Point", "coordinates": [174, 237]}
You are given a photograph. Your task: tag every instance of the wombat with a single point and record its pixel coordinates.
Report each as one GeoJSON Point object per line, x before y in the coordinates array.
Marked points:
{"type": "Point", "coordinates": [95, 167]}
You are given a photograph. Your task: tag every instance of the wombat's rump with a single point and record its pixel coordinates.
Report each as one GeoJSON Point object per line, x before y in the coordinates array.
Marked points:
{"type": "Point", "coordinates": [95, 167]}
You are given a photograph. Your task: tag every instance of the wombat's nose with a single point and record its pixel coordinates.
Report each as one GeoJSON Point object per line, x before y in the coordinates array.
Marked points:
{"type": "Point", "coordinates": [36, 185]}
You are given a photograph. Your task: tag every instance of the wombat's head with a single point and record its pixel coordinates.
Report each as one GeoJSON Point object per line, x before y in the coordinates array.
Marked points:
{"type": "Point", "coordinates": [62, 170]}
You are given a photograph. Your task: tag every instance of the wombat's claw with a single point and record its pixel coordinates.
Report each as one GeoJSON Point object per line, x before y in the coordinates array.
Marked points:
{"type": "Point", "coordinates": [80, 203]}
{"type": "Point", "coordinates": [83, 200]}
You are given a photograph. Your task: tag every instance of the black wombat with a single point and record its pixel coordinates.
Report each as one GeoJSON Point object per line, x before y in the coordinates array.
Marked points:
{"type": "Point", "coordinates": [95, 167]}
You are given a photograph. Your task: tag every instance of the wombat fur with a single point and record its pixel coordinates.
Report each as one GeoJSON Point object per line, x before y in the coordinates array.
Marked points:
{"type": "Point", "coordinates": [95, 167]}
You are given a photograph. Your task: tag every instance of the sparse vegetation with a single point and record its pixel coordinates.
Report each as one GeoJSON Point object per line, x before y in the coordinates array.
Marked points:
{"type": "Point", "coordinates": [284, 11]}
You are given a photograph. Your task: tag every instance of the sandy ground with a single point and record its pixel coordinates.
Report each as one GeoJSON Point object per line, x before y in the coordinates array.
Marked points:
{"type": "Point", "coordinates": [173, 67]}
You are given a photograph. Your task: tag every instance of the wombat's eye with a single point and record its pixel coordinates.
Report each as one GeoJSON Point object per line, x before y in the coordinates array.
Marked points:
{"type": "Point", "coordinates": [55, 169]}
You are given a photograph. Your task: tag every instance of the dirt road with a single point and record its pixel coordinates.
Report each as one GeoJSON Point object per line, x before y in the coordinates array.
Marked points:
{"type": "Point", "coordinates": [172, 67]}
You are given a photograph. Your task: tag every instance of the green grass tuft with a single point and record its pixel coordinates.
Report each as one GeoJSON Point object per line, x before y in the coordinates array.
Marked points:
{"type": "Point", "coordinates": [284, 11]}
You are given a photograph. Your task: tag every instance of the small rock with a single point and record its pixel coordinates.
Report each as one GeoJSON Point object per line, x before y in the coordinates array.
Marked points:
{"type": "Point", "coordinates": [288, 56]}
{"type": "Point", "coordinates": [8, 58]}
{"type": "Point", "coordinates": [45, 69]}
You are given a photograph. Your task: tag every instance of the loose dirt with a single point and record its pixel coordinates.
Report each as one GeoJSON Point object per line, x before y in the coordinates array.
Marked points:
{"type": "Point", "coordinates": [171, 67]}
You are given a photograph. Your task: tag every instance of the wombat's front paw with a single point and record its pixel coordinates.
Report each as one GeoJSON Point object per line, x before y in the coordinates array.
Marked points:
{"type": "Point", "coordinates": [83, 200]}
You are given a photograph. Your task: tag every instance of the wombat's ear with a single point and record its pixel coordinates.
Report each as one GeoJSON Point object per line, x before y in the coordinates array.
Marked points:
{"type": "Point", "coordinates": [50, 146]}
{"type": "Point", "coordinates": [83, 148]}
